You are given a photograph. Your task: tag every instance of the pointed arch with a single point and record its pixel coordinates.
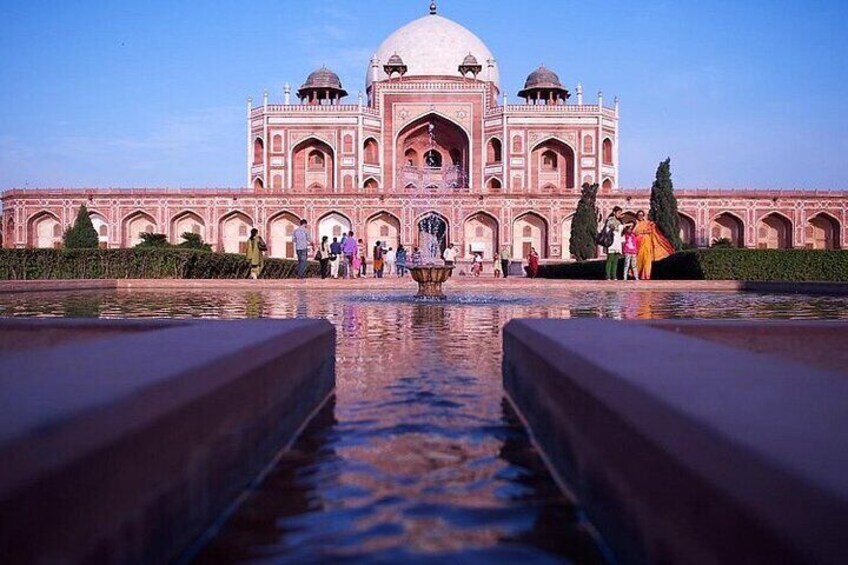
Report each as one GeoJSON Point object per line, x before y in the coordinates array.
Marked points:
{"type": "Point", "coordinates": [435, 224]}
{"type": "Point", "coordinates": [566, 237]}
{"type": "Point", "coordinates": [727, 225]}
{"type": "Point", "coordinates": [494, 184]}
{"type": "Point", "coordinates": [530, 230]}
{"type": "Point", "coordinates": [774, 231]}
{"type": "Point", "coordinates": [553, 163]}
{"type": "Point", "coordinates": [258, 151]}
{"type": "Point", "coordinates": [334, 224]}
{"type": "Point", "coordinates": [606, 151]}
{"type": "Point", "coordinates": [824, 231]}
{"type": "Point", "coordinates": [318, 175]}
{"type": "Point", "coordinates": [233, 231]}
{"type": "Point", "coordinates": [480, 234]}
{"type": "Point", "coordinates": [371, 184]}
{"type": "Point", "coordinates": [688, 230]}
{"type": "Point", "coordinates": [134, 224]}
{"type": "Point", "coordinates": [187, 221]}
{"type": "Point", "coordinates": [44, 230]}
{"type": "Point", "coordinates": [279, 230]}
{"type": "Point", "coordinates": [371, 151]}
{"type": "Point", "coordinates": [383, 226]}
{"type": "Point", "coordinates": [451, 141]}
{"type": "Point", "coordinates": [494, 150]}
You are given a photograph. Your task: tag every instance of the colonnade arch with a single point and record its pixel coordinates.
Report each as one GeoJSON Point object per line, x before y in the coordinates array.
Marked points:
{"type": "Point", "coordinates": [383, 227]}
{"type": "Point", "coordinates": [774, 231]}
{"type": "Point", "coordinates": [823, 232]}
{"type": "Point", "coordinates": [44, 230]}
{"type": "Point", "coordinates": [134, 225]}
{"type": "Point", "coordinates": [281, 226]}
{"type": "Point", "coordinates": [727, 226]}
{"type": "Point", "coordinates": [233, 231]}
{"type": "Point", "coordinates": [187, 222]}
{"type": "Point", "coordinates": [529, 231]}
{"type": "Point", "coordinates": [480, 234]}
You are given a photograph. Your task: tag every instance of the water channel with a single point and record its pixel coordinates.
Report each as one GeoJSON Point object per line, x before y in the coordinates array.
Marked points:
{"type": "Point", "coordinates": [418, 458]}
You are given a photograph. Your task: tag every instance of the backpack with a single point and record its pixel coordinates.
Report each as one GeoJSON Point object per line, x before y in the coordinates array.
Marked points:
{"type": "Point", "coordinates": [605, 237]}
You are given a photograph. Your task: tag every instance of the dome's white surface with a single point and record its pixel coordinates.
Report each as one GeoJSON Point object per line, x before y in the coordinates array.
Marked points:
{"type": "Point", "coordinates": [433, 45]}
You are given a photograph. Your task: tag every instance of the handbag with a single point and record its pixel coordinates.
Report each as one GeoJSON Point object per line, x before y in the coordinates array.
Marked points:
{"type": "Point", "coordinates": [262, 245]}
{"type": "Point", "coordinates": [605, 237]}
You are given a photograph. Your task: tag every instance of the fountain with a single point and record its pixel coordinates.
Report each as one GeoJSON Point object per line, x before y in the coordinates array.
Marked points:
{"type": "Point", "coordinates": [429, 275]}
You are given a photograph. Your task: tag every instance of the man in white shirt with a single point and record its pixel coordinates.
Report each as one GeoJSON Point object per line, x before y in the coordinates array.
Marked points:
{"type": "Point", "coordinates": [449, 256]}
{"type": "Point", "coordinates": [389, 257]}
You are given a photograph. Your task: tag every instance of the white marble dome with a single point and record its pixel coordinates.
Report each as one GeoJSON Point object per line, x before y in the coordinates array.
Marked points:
{"type": "Point", "coordinates": [433, 45]}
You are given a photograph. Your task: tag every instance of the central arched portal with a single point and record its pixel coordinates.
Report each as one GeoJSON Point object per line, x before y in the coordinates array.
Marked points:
{"type": "Point", "coordinates": [432, 236]}
{"type": "Point", "coordinates": [434, 153]}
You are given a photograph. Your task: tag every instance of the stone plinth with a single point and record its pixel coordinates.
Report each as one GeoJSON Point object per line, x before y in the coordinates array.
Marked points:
{"type": "Point", "coordinates": [123, 441]}
{"type": "Point", "coordinates": [688, 450]}
{"type": "Point", "coordinates": [430, 279]}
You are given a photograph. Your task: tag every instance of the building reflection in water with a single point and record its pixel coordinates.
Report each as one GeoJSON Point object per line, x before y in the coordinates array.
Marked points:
{"type": "Point", "coordinates": [418, 455]}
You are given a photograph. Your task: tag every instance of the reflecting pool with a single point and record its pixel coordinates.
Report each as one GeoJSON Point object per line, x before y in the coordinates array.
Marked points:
{"type": "Point", "coordinates": [418, 457]}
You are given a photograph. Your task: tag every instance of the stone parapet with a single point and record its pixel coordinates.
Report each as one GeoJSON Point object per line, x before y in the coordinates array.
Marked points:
{"type": "Point", "coordinates": [123, 441]}
{"type": "Point", "coordinates": [687, 450]}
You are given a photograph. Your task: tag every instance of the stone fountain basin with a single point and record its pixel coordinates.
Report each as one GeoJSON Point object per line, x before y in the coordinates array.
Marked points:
{"type": "Point", "coordinates": [430, 279]}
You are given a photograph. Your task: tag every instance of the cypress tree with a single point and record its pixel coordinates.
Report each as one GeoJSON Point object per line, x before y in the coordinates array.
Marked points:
{"type": "Point", "coordinates": [82, 234]}
{"type": "Point", "coordinates": [664, 205]}
{"type": "Point", "coordinates": [584, 225]}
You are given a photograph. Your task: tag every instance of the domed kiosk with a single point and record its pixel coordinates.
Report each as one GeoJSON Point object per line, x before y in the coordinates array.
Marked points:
{"type": "Point", "coordinates": [433, 46]}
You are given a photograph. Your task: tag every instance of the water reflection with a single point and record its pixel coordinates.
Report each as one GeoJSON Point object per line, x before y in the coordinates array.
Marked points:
{"type": "Point", "coordinates": [418, 458]}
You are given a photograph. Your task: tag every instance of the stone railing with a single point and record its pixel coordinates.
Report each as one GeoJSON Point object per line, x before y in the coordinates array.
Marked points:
{"type": "Point", "coordinates": [435, 178]}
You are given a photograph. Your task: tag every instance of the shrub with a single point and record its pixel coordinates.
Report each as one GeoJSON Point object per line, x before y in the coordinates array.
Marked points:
{"type": "Point", "coordinates": [584, 225]}
{"type": "Point", "coordinates": [194, 241]}
{"type": "Point", "coordinates": [153, 240]}
{"type": "Point", "coordinates": [722, 242]}
{"type": "Point", "coordinates": [727, 264]}
{"type": "Point", "coordinates": [664, 205]}
{"type": "Point", "coordinates": [756, 265]}
{"type": "Point", "coordinates": [135, 263]}
{"type": "Point", "coordinates": [82, 234]}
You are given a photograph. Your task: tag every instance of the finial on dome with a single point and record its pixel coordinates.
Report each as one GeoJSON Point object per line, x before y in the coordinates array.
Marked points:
{"type": "Point", "coordinates": [433, 8]}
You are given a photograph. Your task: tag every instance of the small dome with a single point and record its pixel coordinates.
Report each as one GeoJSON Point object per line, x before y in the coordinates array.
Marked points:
{"type": "Point", "coordinates": [395, 61]}
{"type": "Point", "coordinates": [470, 61]}
{"type": "Point", "coordinates": [542, 78]}
{"type": "Point", "coordinates": [323, 78]}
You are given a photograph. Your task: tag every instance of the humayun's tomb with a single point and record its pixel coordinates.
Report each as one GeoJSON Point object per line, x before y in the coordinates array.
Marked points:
{"type": "Point", "coordinates": [433, 137]}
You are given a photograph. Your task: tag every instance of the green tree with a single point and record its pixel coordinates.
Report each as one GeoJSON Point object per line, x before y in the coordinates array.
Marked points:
{"type": "Point", "coordinates": [153, 240]}
{"type": "Point", "coordinates": [194, 241]}
{"type": "Point", "coordinates": [584, 225]}
{"type": "Point", "coordinates": [82, 234]}
{"type": "Point", "coordinates": [664, 205]}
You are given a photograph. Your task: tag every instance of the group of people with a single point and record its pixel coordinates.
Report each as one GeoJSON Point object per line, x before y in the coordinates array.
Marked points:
{"type": "Point", "coordinates": [640, 243]}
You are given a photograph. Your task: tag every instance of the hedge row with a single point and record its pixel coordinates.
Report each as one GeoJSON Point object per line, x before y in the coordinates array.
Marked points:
{"type": "Point", "coordinates": [727, 264]}
{"type": "Point", "coordinates": [135, 263]}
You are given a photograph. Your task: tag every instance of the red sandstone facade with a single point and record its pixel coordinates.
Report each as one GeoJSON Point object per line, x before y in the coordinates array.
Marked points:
{"type": "Point", "coordinates": [432, 135]}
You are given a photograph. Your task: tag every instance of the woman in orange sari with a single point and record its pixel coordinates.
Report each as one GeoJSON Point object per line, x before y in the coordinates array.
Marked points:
{"type": "Point", "coordinates": [652, 244]}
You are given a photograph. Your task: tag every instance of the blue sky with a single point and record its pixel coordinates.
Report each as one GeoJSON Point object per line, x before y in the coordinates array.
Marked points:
{"type": "Point", "coordinates": [738, 94]}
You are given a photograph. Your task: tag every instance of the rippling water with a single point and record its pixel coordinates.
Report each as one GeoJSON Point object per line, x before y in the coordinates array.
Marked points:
{"type": "Point", "coordinates": [418, 457]}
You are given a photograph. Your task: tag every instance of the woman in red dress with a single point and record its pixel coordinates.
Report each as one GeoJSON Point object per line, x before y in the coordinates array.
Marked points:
{"type": "Point", "coordinates": [534, 263]}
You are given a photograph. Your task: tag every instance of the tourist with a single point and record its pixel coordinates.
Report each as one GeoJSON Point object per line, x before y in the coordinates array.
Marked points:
{"type": "Point", "coordinates": [533, 262]}
{"type": "Point", "coordinates": [629, 248]}
{"type": "Point", "coordinates": [360, 249]}
{"type": "Point", "coordinates": [378, 260]}
{"type": "Point", "coordinates": [651, 245]}
{"type": "Point", "coordinates": [506, 257]}
{"type": "Point", "coordinates": [477, 264]}
{"type": "Point", "coordinates": [335, 257]}
{"type": "Point", "coordinates": [256, 249]}
{"type": "Point", "coordinates": [401, 261]}
{"type": "Point", "coordinates": [496, 266]}
{"type": "Point", "coordinates": [323, 257]}
{"type": "Point", "coordinates": [302, 242]}
{"type": "Point", "coordinates": [390, 258]}
{"type": "Point", "coordinates": [417, 258]}
{"type": "Point", "coordinates": [613, 224]}
{"type": "Point", "coordinates": [350, 252]}
{"type": "Point", "coordinates": [449, 255]}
